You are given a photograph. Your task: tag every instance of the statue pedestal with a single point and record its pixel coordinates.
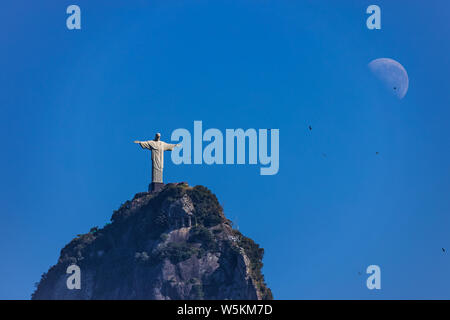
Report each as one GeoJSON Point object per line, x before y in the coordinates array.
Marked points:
{"type": "Point", "coordinates": [155, 186]}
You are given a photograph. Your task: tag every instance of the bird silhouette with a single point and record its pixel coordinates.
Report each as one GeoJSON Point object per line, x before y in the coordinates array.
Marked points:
{"type": "Point", "coordinates": [377, 152]}
{"type": "Point", "coordinates": [443, 249]}
{"type": "Point", "coordinates": [310, 128]}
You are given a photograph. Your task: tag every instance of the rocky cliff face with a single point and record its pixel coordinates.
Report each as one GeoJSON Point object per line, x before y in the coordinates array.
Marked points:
{"type": "Point", "coordinates": [174, 244]}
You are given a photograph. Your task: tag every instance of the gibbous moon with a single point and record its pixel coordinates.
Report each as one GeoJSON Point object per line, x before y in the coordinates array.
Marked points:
{"type": "Point", "coordinates": [391, 74]}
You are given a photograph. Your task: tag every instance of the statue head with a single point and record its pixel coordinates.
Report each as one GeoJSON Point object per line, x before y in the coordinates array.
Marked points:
{"type": "Point", "coordinates": [157, 136]}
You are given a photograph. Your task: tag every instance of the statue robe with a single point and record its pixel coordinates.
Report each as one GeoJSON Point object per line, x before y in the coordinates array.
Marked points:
{"type": "Point", "coordinates": [157, 148]}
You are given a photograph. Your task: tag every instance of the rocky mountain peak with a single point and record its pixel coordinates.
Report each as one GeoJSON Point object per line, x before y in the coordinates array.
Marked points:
{"type": "Point", "coordinates": [171, 244]}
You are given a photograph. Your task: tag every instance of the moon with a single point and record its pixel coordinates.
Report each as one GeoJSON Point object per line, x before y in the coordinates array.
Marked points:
{"type": "Point", "coordinates": [392, 74]}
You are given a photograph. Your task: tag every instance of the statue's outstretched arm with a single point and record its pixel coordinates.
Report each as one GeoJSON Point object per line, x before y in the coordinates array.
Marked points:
{"type": "Point", "coordinates": [169, 146]}
{"type": "Point", "coordinates": [144, 144]}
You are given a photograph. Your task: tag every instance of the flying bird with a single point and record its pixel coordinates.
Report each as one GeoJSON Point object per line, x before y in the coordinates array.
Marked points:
{"type": "Point", "coordinates": [310, 128]}
{"type": "Point", "coordinates": [443, 249]}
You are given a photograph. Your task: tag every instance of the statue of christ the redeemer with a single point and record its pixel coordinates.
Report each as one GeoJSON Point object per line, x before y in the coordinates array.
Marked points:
{"type": "Point", "coordinates": [157, 147]}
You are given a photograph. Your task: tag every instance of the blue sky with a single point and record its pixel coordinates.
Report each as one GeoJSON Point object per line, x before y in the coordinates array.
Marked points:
{"type": "Point", "coordinates": [72, 102]}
